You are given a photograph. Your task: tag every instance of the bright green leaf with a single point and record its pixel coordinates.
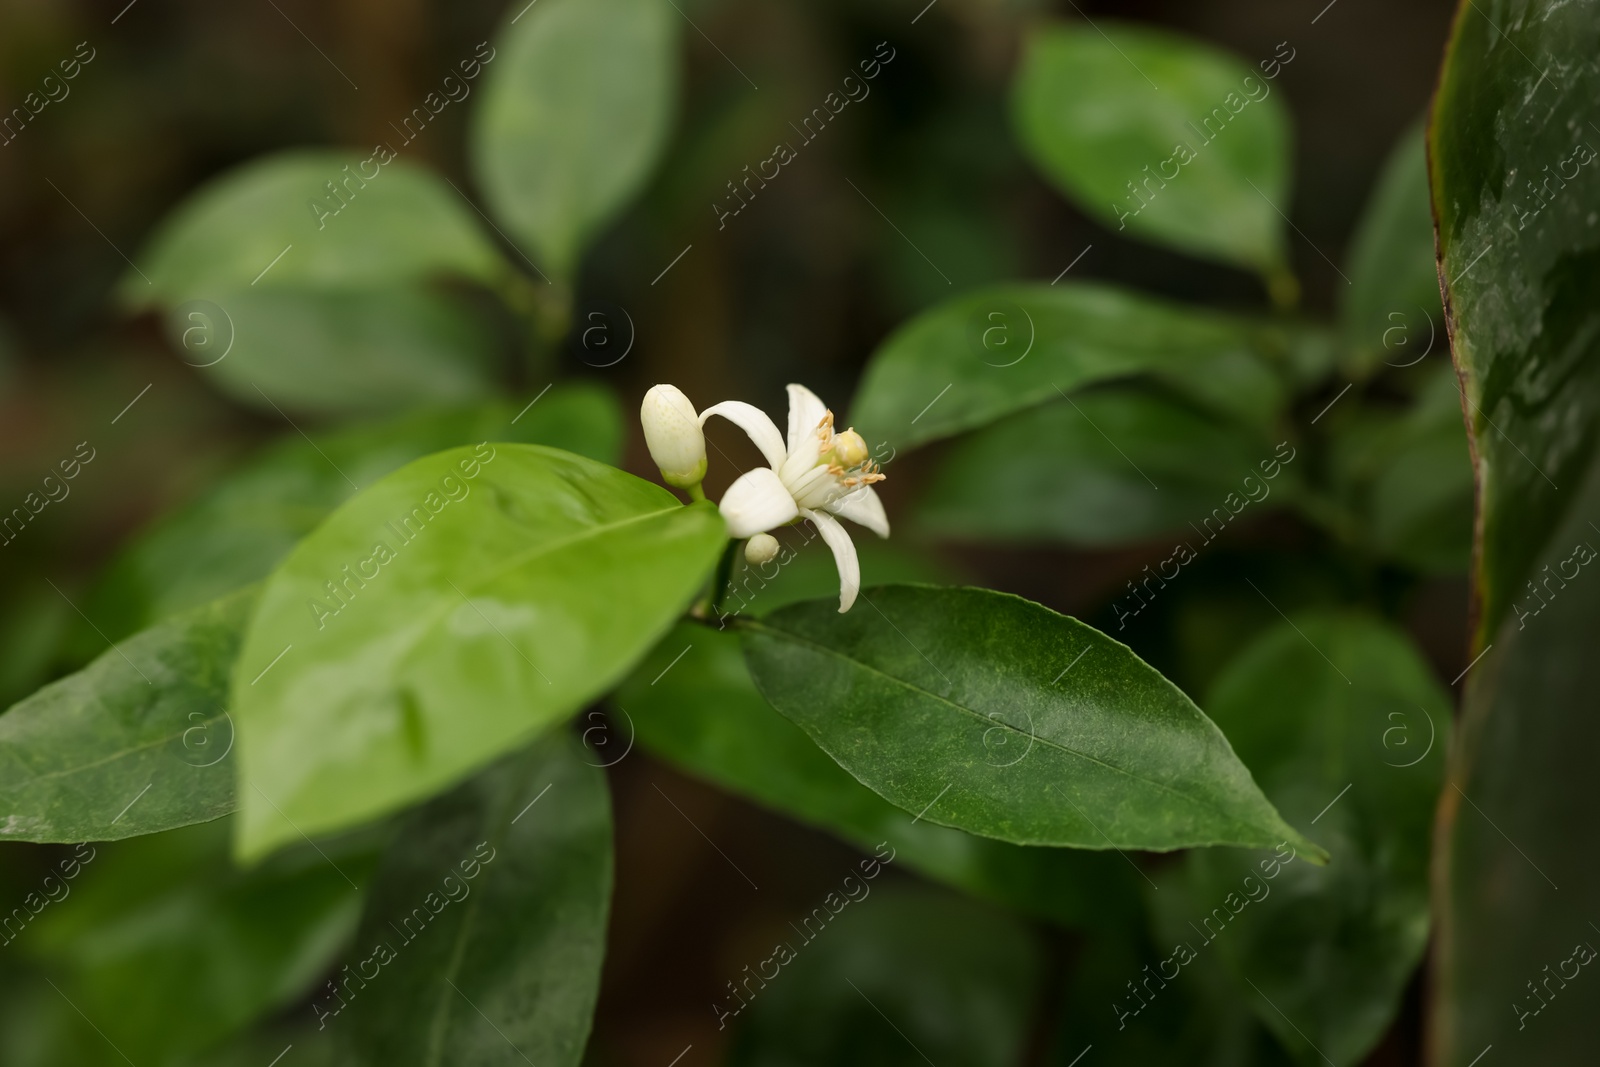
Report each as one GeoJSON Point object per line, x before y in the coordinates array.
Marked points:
{"type": "Point", "coordinates": [692, 703]}
{"type": "Point", "coordinates": [1393, 300]}
{"type": "Point", "coordinates": [1514, 170]}
{"type": "Point", "coordinates": [259, 225]}
{"type": "Point", "coordinates": [492, 905]}
{"type": "Point", "coordinates": [1342, 722]}
{"type": "Point", "coordinates": [576, 110]}
{"type": "Point", "coordinates": [912, 695]}
{"type": "Point", "coordinates": [899, 977]}
{"type": "Point", "coordinates": [995, 351]}
{"type": "Point", "coordinates": [1168, 138]}
{"type": "Point", "coordinates": [135, 743]}
{"type": "Point", "coordinates": [238, 531]}
{"type": "Point", "coordinates": [462, 605]}
{"type": "Point", "coordinates": [1113, 465]}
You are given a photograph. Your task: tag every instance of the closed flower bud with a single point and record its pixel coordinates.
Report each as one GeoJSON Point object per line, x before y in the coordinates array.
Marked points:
{"type": "Point", "coordinates": [761, 548]}
{"type": "Point", "coordinates": [672, 432]}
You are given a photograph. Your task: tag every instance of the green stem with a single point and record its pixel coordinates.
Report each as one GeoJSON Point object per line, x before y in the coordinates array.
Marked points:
{"type": "Point", "coordinates": [724, 572]}
{"type": "Point", "coordinates": [546, 312]}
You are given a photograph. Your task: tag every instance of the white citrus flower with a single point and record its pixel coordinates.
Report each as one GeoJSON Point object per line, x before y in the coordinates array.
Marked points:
{"type": "Point", "coordinates": [819, 475]}
{"type": "Point", "coordinates": [672, 433]}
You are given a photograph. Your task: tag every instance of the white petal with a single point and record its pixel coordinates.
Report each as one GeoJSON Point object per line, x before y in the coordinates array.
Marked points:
{"type": "Point", "coordinates": [755, 422]}
{"type": "Point", "coordinates": [816, 488]}
{"type": "Point", "coordinates": [755, 502]}
{"type": "Point", "coordinates": [844, 556]}
{"type": "Point", "coordinates": [805, 457]}
{"type": "Point", "coordinates": [862, 507]}
{"type": "Point", "coordinates": [805, 411]}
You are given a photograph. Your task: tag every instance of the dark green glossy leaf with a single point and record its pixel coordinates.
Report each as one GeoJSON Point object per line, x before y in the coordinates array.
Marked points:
{"type": "Point", "coordinates": [1160, 135]}
{"type": "Point", "coordinates": [910, 696]}
{"type": "Point", "coordinates": [1113, 465]}
{"type": "Point", "coordinates": [486, 925]}
{"type": "Point", "coordinates": [459, 607]}
{"type": "Point", "coordinates": [1393, 300]}
{"type": "Point", "coordinates": [692, 703]}
{"type": "Point", "coordinates": [336, 351]}
{"type": "Point", "coordinates": [989, 353]}
{"type": "Point", "coordinates": [137, 742]}
{"type": "Point", "coordinates": [893, 977]}
{"type": "Point", "coordinates": [167, 947]}
{"type": "Point", "coordinates": [1342, 723]}
{"type": "Point", "coordinates": [1515, 172]}
{"type": "Point", "coordinates": [576, 110]}
{"type": "Point", "coordinates": [1523, 317]}
{"type": "Point", "coordinates": [242, 528]}
{"type": "Point", "coordinates": [403, 225]}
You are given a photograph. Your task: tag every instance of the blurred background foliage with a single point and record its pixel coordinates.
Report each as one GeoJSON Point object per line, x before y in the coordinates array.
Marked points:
{"type": "Point", "coordinates": [803, 285]}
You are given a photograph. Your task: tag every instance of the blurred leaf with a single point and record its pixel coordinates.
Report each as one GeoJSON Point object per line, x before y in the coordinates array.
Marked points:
{"type": "Point", "coordinates": [702, 713]}
{"type": "Point", "coordinates": [965, 230]}
{"type": "Point", "coordinates": [1342, 722]}
{"type": "Point", "coordinates": [1408, 478]}
{"type": "Point", "coordinates": [1113, 465]}
{"type": "Point", "coordinates": [404, 225]}
{"type": "Point", "coordinates": [336, 351]}
{"type": "Point", "coordinates": [167, 947]}
{"type": "Point", "coordinates": [242, 528]}
{"type": "Point", "coordinates": [995, 351]}
{"type": "Point", "coordinates": [257, 1047]}
{"type": "Point", "coordinates": [1197, 633]}
{"type": "Point", "coordinates": [1310, 350]}
{"type": "Point", "coordinates": [482, 596]}
{"type": "Point", "coordinates": [31, 630]}
{"type": "Point", "coordinates": [911, 697]}
{"type": "Point", "coordinates": [134, 743]}
{"type": "Point", "coordinates": [898, 977]}
{"type": "Point", "coordinates": [574, 116]}
{"type": "Point", "coordinates": [1192, 1019]}
{"type": "Point", "coordinates": [511, 978]}
{"type": "Point", "coordinates": [1514, 170]}
{"type": "Point", "coordinates": [39, 1029]}
{"type": "Point", "coordinates": [1394, 282]}
{"type": "Point", "coordinates": [1180, 143]}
